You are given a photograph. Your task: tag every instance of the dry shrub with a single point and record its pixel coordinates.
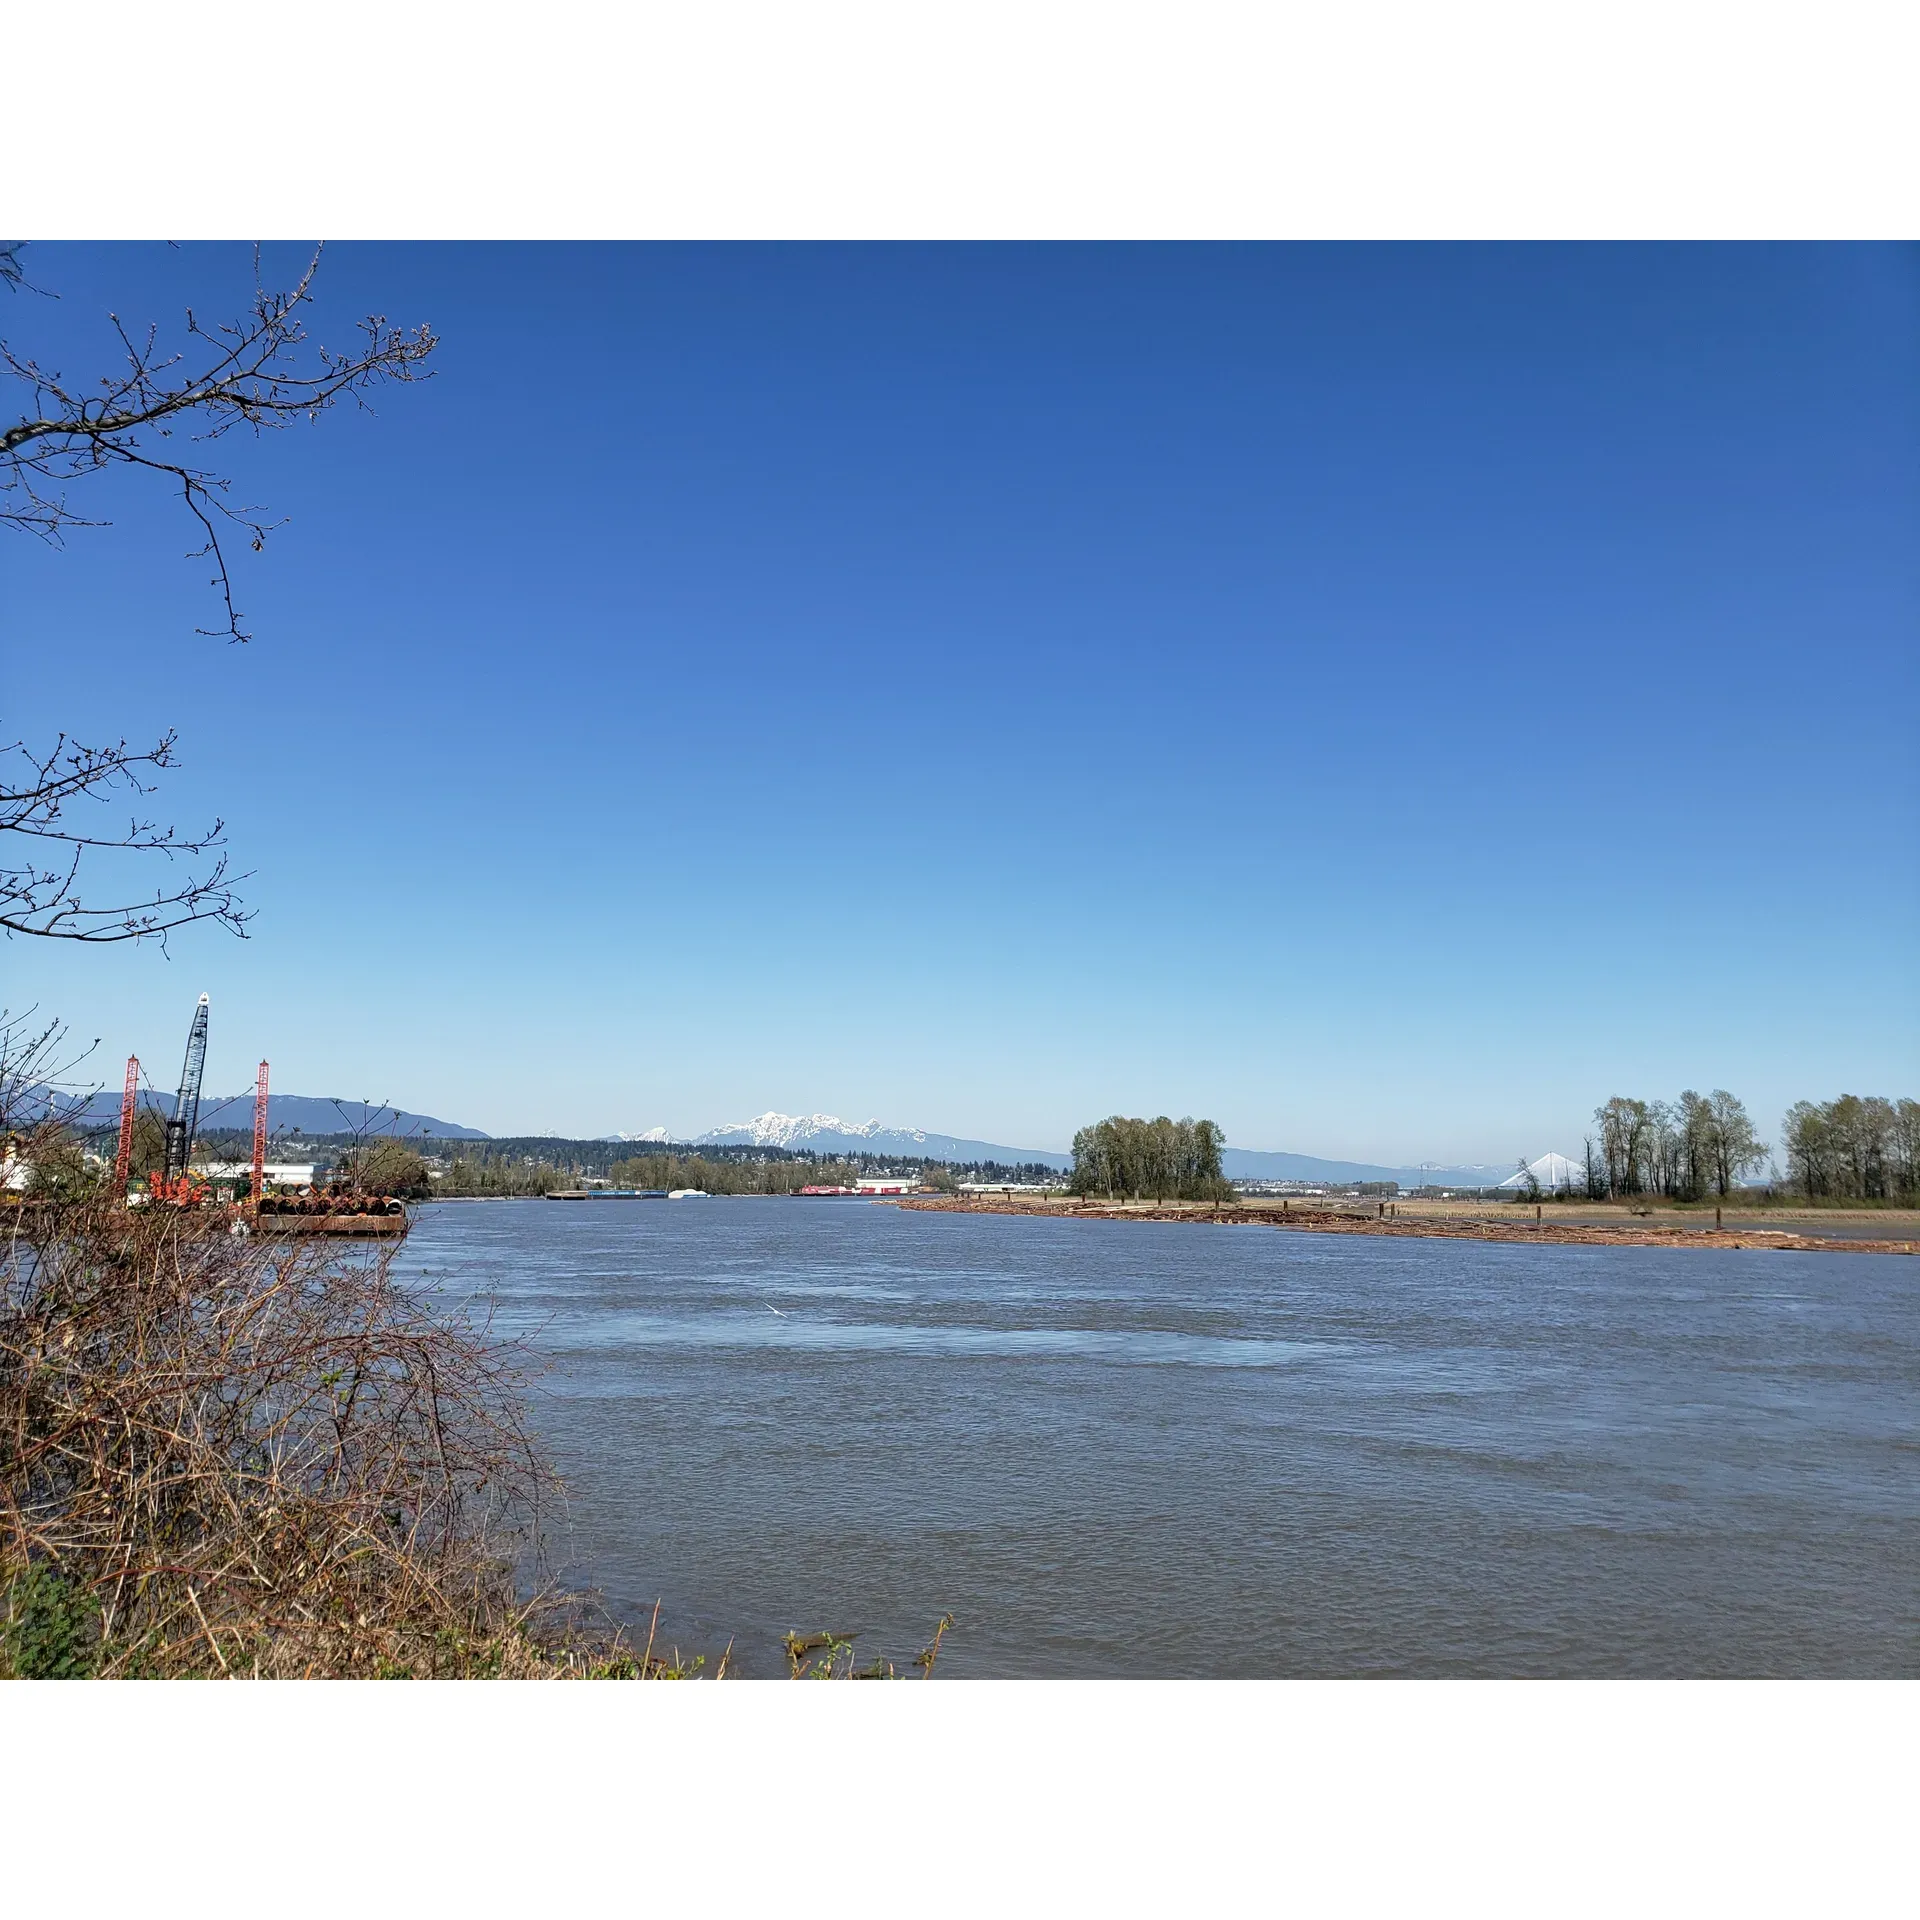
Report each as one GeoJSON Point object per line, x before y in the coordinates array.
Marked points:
{"type": "Point", "coordinates": [229, 1455]}
{"type": "Point", "coordinates": [223, 1455]}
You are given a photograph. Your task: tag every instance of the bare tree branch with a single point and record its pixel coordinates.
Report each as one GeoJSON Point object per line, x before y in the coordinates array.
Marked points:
{"type": "Point", "coordinates": [248, 372]}
{"type": "Point", "coordinates": [39, 891]}
{"type": "Point", "coordinates": [260, 371]}
{"type": "Point", "coordinates": [38, 1093]}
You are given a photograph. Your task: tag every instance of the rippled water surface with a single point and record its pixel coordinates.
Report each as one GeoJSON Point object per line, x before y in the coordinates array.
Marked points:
{"type": "Point", "coordinates": [1130, 1448]}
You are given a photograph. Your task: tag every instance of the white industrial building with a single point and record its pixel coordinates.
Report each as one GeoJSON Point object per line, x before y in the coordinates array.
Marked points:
{"type": "Point", "coordinates": [276, 1173]}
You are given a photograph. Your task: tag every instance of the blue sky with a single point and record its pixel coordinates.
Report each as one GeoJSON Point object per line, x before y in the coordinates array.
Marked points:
{"type": "Point", "coordinates": [1388, 699]}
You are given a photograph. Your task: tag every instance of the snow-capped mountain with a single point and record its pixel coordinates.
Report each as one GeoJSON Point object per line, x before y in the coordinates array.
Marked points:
{"type": "Point", "coordinates": [795, 1130]}
{"type": "Point", "coordinates": [827, 1133]}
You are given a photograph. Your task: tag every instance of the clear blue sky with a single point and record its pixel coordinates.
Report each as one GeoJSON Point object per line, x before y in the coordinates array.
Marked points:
{"type": "Point", "coordinates": [1386, 699]}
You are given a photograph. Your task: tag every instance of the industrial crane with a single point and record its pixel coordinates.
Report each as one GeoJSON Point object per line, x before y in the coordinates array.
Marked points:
{"type": "Point", "coordinates": [124, 1158]}
{"type": "Point", "coordinates": [259, 1133]}
{"type": "Point", "coordinates": [173, 1181]}
{"type": "Point", "coordinates": [186, 1103]}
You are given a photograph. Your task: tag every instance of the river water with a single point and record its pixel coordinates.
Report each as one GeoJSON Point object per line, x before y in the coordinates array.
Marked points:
{"type": "Point", "coordinates": [1125, 1448]}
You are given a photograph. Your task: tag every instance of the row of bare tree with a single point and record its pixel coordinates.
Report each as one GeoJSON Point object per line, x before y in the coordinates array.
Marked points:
{"type": "Point", "coordinates": [1682, 1149]}
{"type": "Point", "coordinates": [1858, 1147]}
{"type": "Point", "coordinates": [1853, 1148]}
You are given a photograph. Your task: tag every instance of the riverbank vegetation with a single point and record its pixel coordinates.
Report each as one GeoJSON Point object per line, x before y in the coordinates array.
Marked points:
{"type": "Point", "coordinates": [1855, 1150]}
{"type": "Point", "coordinates": [1159, 1159]}
{"type": "Point", "coordinates": [475, 1173]}
{"type": "Point", "coordinates": [1680, 1150]}
{"type": "Point", "coordinates": [222, 1455]}
{"type": "Point", "coordinates": [471, 1175]}
{"type": "Point", "coordinates": [671, 1170]}
{"type": "Point", "coordinates": [229, 1457]}
{"type": "Point", "coordinates": [394, 1168]}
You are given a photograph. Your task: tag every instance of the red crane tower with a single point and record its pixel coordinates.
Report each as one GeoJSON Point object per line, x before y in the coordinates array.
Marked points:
{"type": "Point", "coordinates": [259, 1133]}
{"type": "Point", "coordinates": [123, 1160]}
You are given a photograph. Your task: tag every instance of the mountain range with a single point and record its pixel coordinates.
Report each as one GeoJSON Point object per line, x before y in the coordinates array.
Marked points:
{"type": "Point", "coordinates": [822, 1133]}
{"type": "Point", "coordinates": [826, 1133]}
{"type": "Point", "coordinates": [286, 1113]}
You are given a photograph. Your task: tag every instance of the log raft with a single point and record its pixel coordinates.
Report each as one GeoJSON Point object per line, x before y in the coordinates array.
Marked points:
{"type": "Point", "coordinates": [1335, 1220]}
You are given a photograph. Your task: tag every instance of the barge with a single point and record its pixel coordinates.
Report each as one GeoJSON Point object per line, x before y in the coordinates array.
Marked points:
{"type": "Point", "coordinates": [354, 1215]}
{"type": "Point", "coordinates": [371, 1226]}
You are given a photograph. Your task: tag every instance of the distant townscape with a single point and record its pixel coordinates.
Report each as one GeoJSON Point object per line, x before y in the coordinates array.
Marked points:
{"type": "Point", "coordinates": [826, 1133]}
{"type": "Point", "coordinates": [823, 1134]}
{"type": "Point", "coordinates": [1690, 1148]}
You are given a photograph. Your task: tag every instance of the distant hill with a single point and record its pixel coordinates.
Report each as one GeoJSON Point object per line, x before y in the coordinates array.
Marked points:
{"type": "Point", "coordinates": [1238, 1163]}
{"type": "Point", "coordinates": [821, 1133]}
{"type": "Point", "coordinates": [286, 1113]}
{"type": "Point", "coordinates": [826, 1133]}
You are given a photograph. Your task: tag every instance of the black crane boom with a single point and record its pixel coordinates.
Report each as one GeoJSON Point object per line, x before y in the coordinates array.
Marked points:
{"type": "Point", "coordinates": [186, 1103]}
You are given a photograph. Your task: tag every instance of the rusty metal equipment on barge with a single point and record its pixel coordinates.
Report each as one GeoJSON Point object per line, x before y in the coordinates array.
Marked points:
{"type": "Point", "coordinates": [334, 1210]}
{"type": "Point", "coordinates": [331, 1210]}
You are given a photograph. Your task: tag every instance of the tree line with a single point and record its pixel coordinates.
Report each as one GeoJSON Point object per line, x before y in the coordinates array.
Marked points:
{"type": "Point", "coordinates": [717, 1170]}
{"type": "Point", "coordinates": [1162, 1159]}
{"type": "Point", "coordinates": [537, 1165]}
{"type": "Point", "coordinates": [471, 1176]}
{"type": "Point", "coordinates": [673, 1170]}
{"type": "Point", "coordinates": [1858, 1147]}
{"type": "Point", "coordinates": [1682, 1149]}
{"type": "Point", "coordinates": [789, 1172]}
{"type": "Point", "coordinates": [415, 1167]}
{"type": "Point", "coordinates": [1851, 1148]}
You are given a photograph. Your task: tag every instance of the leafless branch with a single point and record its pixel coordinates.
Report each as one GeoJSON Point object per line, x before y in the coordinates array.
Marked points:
{"type": "Point", "coordinates": [246, 1454]}
{"type": "Point", "coordinates": [260, 371]}
{"type": "Point", "coordinates": [39, 890]}
{"type": "Point", "coordinates": [37, 1061]}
